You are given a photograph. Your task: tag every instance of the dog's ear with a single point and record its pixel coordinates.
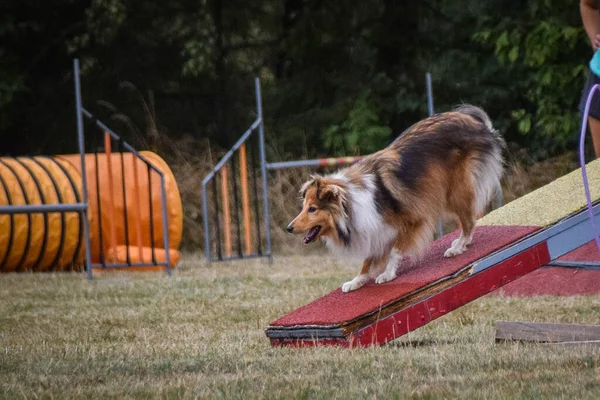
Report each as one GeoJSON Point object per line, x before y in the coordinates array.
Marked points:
{"type": "Point", "coordinates": [329, 192]}
{"type": "Point", "coordinates": [314, 180]}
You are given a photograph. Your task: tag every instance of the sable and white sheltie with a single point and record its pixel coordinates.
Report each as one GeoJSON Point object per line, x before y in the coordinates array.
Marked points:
{"type": "Point", "coordinates": [386, 206]}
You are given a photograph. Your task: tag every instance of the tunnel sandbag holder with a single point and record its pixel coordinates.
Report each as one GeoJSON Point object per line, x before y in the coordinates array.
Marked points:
{"type": "Point", "coordinates": [33, 206]}
{"type": "Point", "coordinates": [109, 135]}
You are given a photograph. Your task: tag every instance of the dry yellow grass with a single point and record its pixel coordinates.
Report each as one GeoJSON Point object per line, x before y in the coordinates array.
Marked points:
{"type": "Point", "coordinates": [200, 334]}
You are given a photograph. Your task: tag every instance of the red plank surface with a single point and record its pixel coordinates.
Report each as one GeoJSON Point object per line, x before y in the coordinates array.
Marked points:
{"type": "Point", "coordinates": [416, 315]}
{"type": "Point", "coordinates": [587, 252]}
{"type": "Point", "coordinates": [338, 307]}
{"type": "Point", "coordinates": [559, 281]}
{"type": "Point", "coordinates": [464, 292]}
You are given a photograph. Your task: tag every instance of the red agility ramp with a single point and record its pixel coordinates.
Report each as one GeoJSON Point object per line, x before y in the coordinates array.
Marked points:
{"type": "Point", "coordinates": [377, 314]}
{"type": "Point", "coordinates": [574, 274]}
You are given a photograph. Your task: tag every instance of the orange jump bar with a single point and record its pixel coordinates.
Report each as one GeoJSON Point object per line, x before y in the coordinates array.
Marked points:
{"type": "Point", "coordinates": [245, 199]}
{"type": "Point", "coordinates": [138, 203]}
{"type": "Point", "coordinates": [226, 214]}
{"type": "Point", "coordinates": [111, 191]}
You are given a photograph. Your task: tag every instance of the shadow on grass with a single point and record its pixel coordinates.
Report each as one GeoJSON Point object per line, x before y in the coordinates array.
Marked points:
{"type": "Point", "coordinates": [421, 343]}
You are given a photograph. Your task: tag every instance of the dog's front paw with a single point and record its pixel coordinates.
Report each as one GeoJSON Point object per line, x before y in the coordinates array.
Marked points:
{"type": "Point", "coordinates": [352, 285]}
{"type": "Point", "coordinates": [385, 277]}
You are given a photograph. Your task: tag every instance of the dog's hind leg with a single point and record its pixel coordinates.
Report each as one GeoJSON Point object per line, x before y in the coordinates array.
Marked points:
{"type": "Point", "coordinates": [463, 204]}
{"type": "Point", "coordinates": [459, 246]}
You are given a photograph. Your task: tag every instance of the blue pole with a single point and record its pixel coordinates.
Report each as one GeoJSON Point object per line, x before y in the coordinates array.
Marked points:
{"type": "Point", "coordinates": [229, 154]}
{"type": "Point", "coordinates": [43, 208]}
{"type": "Point", "coordinates": [206, 223]}
{"type": "Point", "coordinates": [440, 228]}
{"type": "Point", "coordinates": [81, 140]}
{"type": "Point", "coordinates": [263, 168]}
{"type": "Point", "coordinates": [165, 222]}
{"type": "Point", "coordinates": [429, 94]}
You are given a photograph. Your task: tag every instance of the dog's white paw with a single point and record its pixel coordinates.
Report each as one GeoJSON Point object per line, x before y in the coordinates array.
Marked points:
{"type": "Point", "coordinates": [459, 246]}
{"type": "Point", "coordinates": [385, 277]}
{"type": "Point", "coordinates": [352, 285]}
{"type": "Point", "coordinates": [454, 251]}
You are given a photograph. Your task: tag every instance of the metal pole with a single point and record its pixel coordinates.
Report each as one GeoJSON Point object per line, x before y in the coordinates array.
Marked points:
{"type": "Point", "coordinates": [440, 227]}
{"type": "Point", "coordinates": [206, 223]}
{"type": "Point", "coordinates": [229, 154]}
{"type": "Point", "coordinates": [42, 208]}
{"type": "Point", "coordinates": [163, 196]}
{"type": "Point", "coordinates": [429, 94]}
{"type": "Point", "coordinates": [321, 162]}
{"type": "Point", "coordinates": [125, 145]}
{"type": "Point", "coordinates": [84, 213]}
{"type": "Point", "coordinates": [151, 209]}
{"type": "Point", "coordinates": [263, 168]}
{"type": "Point", "coordinates": [499, 197]}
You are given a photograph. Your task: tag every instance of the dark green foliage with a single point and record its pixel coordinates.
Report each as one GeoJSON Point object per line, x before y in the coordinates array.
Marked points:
{"type": "Point", "coordinates": [544, 48]}
{"type": "Point", "coordinates": [339, 77]}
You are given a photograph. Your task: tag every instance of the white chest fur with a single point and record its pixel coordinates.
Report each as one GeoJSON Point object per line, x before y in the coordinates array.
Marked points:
{"type": "Point", "coordinates": [370, 235]}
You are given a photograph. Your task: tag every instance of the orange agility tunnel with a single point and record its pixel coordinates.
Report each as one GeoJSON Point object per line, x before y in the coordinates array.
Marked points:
{"type": "Point", "coordinates": [125, 211]}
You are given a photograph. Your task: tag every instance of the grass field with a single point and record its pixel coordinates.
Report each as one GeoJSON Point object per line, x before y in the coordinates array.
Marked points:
{"type": "Point", "coordinates": [200, 334]}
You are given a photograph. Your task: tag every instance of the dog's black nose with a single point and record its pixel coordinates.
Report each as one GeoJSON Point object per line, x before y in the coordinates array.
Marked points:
{"type": "Point", "coordinates": [290, 228]}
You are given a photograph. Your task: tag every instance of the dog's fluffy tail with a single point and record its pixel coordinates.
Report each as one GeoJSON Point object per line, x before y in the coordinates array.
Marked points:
{"type": "Point", "coordinates": [481, 116]}
{"type": "Point", "coordinates": [487, 175]}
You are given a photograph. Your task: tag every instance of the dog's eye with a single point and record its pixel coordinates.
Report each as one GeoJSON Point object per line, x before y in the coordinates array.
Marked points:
{"type": "Point", "coordinates": [311, 209]}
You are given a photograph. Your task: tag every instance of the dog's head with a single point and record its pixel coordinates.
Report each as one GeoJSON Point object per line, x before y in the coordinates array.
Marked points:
{"type": "Point", "coordinates": [324, 211]}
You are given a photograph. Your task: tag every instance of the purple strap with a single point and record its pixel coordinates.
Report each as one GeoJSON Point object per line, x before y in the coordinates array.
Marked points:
{"type": "Point", "coordinates": [582, 163]}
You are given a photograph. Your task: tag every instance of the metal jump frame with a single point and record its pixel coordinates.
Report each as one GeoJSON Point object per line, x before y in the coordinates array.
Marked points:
{"type": "Point", "coordinates": [82, 207]}
{"type": "Point", "coordinates": [258, 124]}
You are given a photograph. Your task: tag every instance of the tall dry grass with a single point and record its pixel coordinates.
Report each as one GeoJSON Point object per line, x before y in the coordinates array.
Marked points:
{"type": "Point", "coordinates": [191, 161]}
{"type": "Point", "coordinates": [523, 175]}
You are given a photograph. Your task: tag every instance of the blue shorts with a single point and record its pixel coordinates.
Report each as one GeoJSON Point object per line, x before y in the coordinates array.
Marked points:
{"type": "Point", "coordinates": [595, 104]}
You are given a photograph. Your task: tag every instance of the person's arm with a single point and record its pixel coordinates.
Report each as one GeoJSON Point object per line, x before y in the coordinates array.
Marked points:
{"type": "Point", "coordinates": [591, 21]}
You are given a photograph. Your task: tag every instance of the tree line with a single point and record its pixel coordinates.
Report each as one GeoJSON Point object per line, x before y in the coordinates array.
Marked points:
{"type": "Point", "coordinates": [339, 77]}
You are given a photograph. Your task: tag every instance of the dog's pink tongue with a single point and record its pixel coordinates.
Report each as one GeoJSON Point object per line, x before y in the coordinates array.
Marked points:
{"type": "Point", "coordinates": [311, 234]}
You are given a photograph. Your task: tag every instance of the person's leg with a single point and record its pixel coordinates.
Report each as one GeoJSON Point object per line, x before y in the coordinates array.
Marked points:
{"type": "Point", "coordinates": [594, 111]}
{"type": "Point", "coordinates": [594, 125]}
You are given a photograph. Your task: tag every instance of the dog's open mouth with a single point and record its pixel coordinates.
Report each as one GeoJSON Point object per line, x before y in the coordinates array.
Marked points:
{"type": "Point", "coordinates": [312, 234]}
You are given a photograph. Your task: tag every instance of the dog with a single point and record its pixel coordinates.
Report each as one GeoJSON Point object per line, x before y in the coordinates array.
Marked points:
{"type": "Point", "coordinates": [386, 206]}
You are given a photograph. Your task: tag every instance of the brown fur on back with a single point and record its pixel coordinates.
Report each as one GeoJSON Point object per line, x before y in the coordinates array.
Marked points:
{"type": "Point", "coordinates": [423, 172]}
